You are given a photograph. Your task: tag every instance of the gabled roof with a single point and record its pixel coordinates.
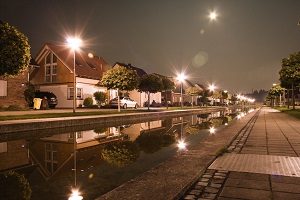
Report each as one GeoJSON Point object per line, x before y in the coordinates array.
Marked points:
{"type": "Point", "coordinates": [86, 67]}
{"type": "Point", "coordinates": [139, 71]}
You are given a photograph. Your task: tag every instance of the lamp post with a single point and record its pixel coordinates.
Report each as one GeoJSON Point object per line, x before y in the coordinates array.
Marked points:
{"type": "Point", "coordinates": [212, 88]}
{"type": "Point", "coordinates": [74, 44]}
{"type": "Point", "coordinates": [181, 77]}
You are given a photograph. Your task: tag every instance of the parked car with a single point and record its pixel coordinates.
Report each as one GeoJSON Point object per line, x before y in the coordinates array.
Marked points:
{"type": "Point", "coordinates": [51, 98]}
{"type": "Point", "coordinates": [125, 102]}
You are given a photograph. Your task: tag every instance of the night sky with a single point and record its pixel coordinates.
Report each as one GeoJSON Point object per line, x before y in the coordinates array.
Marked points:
{"type": "Point", "coordinates": [239, 52]}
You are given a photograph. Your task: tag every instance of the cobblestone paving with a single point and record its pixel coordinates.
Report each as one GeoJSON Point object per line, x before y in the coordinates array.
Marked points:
{"type": "Point", "coordinates": [267, 133]}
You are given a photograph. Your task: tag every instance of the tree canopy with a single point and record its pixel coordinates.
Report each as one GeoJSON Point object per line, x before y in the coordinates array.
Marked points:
{"type": "Point", "coordinates": [120, 78]}
{"type": "Point", "coordinates": [290, 71]}
{"type": "Point", "coordinates": [14, 50]}
{"type": "Point", "coordinates": [150, 83]}
{"type": "Point", "coordinates": [167, 84]}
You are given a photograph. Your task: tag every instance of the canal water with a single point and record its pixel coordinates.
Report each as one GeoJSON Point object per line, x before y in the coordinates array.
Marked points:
{"type": "Point", "coordinates": [96, 160]}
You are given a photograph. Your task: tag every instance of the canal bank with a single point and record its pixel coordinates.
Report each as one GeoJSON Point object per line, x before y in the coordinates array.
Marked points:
{"type": "Point", "coordinates": [14, 126]}
{"type": "Point", "coordinates": [171, 179]}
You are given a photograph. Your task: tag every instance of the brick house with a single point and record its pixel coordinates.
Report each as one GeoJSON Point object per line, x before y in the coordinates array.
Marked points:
{"type": "Point", "coordinates": [140, 97]}
{"type": "Point", "coordinates": [12, 90]}
{"type": "Point", "coordinates": [55, 74]}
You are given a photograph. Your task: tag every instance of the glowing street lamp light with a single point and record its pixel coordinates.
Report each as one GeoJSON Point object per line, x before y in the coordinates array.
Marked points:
{"type": "Point", "coordinates": [74, 44]}
{"type": "Point", "coordinates": [212, 87]}
{"type": "Point", "coordinates": [212, 130]}
{"type": "Point", "coordinates": [75, 195]}
{"type": "Point", "coordinates": [181, 145]}
{"type": "Point", "coordinates": [213, 15]}
{"type": "Point", "coordinates": [181, 78]}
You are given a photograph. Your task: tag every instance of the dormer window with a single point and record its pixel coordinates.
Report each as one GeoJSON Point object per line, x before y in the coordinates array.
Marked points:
{"type": "Point", "coordinates": [50, 68]}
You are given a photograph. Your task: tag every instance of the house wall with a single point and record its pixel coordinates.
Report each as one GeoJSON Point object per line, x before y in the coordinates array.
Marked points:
{"type": "Point", "coordinates": [15, 90]}
{"type": "Point", "coordinates": [61, 92]}
{"type": "Point", "coordinates": [13, 154]}
{"type": "Point", "coordinates": [64, 75]}
{"type": "Point", "coordinates": [89, 87]}
{"type": "Point", "coordinates": [142, 97]}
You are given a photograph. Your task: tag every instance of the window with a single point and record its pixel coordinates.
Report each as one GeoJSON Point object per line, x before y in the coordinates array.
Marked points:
{"type": "Point", "coordinates": [50, 68]}
{"type": "Point", "coordinates": [3, 88]}
{"type": "Point", "coordinates": [70, 93]}
{"type": "Point", "coordinates": [51, 157]}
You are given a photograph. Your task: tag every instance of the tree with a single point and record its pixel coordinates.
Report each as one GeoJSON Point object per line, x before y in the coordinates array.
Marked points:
{"type": "Point", "coordinates": [290, 73]}
{"type": "Point", "coordinates": [120, 153]}
{"type": "Point", "coordinates": [120, 78]}
{"type": "Point", "coordinates": [225, 95]}
{"type": "Point", "coordinates": [14, 50]}
{"type": "Point", "coordinates": [14, 186]}
{"type": "Point", "coordinates": [29, 94]}
{"type": "Point", "coordinates": [150, 83]}
{"type": "Point", "coordinates": [204, 94]}
{"type": "Point", "coordinates": [275, 92]}
{"type": "Point", "coordinates": [167, 85]}
{"type": "Point", "coordinates": [100, 97]}
{"type": "Point", "coordinates": [193, 91]}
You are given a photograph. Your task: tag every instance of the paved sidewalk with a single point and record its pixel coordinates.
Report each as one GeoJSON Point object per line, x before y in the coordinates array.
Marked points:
{"type": "Point", "coordinates": [263, 162]}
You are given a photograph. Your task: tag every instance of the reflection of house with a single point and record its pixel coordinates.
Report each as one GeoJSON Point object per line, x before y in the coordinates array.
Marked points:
{"type": "Point", "coordinates": [134, 130]}
{"type": "Point", "coordinates": [13, 154]}
{"type": "Point", "coordinates": [139, 97]}
{"type": "Point", "coordinates": [56, 152]}
{"type": "Point", "coordinates": [55, 74]}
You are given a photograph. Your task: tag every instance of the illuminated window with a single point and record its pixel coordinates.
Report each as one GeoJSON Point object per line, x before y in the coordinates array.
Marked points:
{"type": "Point", "coordinates": [70, 93]}
{"type": "Point", "coordinates": [50, 68]}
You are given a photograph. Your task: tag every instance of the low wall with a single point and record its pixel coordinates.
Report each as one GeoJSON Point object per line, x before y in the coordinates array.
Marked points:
{"type": "Point", "coordinates": [49, 123]}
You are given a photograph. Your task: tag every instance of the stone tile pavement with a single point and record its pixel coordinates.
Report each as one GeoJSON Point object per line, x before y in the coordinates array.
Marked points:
{"type": "Point", "coordinates": [268, 133]}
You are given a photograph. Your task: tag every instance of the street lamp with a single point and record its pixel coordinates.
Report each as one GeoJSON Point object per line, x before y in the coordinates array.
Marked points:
{"type": "Point", "coordinates": [212, 88]}
{"type": "Point", "coordinates": [181, 78]}
{"type": "Point", "coordinates": [74, 44]}
{"type": "Point", "coordinates": [213, 16]}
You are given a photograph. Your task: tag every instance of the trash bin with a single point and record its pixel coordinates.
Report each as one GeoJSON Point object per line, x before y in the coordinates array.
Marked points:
{"type": "Point", "coordinates": [37, 103]}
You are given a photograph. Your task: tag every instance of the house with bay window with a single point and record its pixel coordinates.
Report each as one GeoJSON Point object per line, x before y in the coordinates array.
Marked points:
{"type": "Point", "coordinates": [55, 74]}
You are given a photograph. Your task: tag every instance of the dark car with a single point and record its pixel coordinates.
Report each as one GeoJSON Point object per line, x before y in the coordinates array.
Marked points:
{"type": "Point", "coordinates": [51, 98]}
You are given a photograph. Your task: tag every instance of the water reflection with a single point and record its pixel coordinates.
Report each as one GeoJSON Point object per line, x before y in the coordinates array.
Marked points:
{"type": "Point", "coordinates": [97, 160]}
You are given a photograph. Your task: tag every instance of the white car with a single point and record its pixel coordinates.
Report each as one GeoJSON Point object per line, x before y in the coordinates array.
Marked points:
{"type": "Point", "coordinates": [125, 102]}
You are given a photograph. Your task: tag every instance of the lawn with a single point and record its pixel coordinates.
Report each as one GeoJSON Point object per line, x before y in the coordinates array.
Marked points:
{"type": "Point", "coordinates": [294, 113]}
{"type": "Point", "coordinates": [67, 114]}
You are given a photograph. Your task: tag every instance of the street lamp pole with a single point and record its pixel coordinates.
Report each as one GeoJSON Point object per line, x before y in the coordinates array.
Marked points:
{"type": "Point", "coordinates": [74, 83]}
{"type": "Point", "coordinates": [181, 86]}
{"type": "Point", "coordinates": [74, 44]}
{"type": "Point", "coordinates": [181, 77]}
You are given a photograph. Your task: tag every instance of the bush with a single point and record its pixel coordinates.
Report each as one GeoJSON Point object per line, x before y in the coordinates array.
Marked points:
{"type": "Point", "coordinates": [121, 153]}
{"type": "Point", "coordinates": [88, 102]}
{"type": "Point", "coordinates": [100, 97]}
{"type": "Point", "coordinates": [14, 108]}
{"type": "Point", "coordinates": [29, 94]}
{"type": "Point", "coordinates": [14, 186]}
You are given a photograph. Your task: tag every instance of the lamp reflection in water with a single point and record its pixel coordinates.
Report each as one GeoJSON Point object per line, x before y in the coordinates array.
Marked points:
{"type": "Point", "coordinates": [181, 143]}
{"type": "Point", "coordinates": [75, 192]}
{"type": "Point", "coordinates": [212, 130]}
